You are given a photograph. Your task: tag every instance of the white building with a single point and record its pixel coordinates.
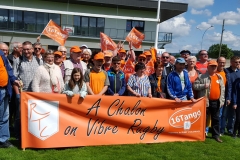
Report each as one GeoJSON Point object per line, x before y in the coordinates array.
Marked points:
{"type": "Point", "coordinates": [22, 20]}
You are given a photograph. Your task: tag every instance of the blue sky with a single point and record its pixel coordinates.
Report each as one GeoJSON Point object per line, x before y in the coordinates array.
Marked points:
{"type": "Point", "coordinates": [202, 14]}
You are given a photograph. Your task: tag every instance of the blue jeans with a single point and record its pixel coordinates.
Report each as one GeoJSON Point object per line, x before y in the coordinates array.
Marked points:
{"type": "Point", "coordinates": [228, 114]}
{"type": "Point", "coordinates": [4, 116]}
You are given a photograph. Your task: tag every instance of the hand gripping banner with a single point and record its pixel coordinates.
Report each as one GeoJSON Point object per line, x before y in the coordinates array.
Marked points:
{"type": "Point", "coordinates": [55, 120]}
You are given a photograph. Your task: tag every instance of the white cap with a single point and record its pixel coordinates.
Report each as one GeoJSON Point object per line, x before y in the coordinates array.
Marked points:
{"type": "Point", "coordinates": [84, 45]}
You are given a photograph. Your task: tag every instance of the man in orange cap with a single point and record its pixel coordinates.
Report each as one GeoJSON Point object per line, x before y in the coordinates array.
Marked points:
{"type": "Point", "coordinates": [148, 55]}
{"type": "Point", "coordinates": [142, 58]}
{"type": "Point", "coordinates": [74, 62]}
{"type": "Point", "coordinates": [58, 60]}
{"type": "Point", "coordinates": [211, 86]}
{"type": "Point", "coordinates": [108, 60]}
{"type": "Point", "coordinates": [124, 56]}
{"type": "Point", "coordinates": [149, 63]}
{"type": "Point", "coordinates": [97, 79]}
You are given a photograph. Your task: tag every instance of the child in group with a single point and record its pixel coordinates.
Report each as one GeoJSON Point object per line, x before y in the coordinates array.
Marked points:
{"type": "Point", "coordinates": [75, 85]}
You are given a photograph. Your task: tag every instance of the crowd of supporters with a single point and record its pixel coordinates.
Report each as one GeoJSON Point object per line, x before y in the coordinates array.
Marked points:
{"type": "Point", "coordinates": [29, 68]}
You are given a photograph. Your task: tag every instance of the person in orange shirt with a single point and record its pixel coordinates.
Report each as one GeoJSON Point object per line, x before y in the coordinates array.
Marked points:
{"type": "Point", "coordinates": [211, 86]}
{"type": "Point", "coordinates": [203, 61]}
{"type": "Point", "coordinates": [96, 78]}
{"type": "Point", "coordinates": [124, 56]}
{"type": "Point", "coordinates": [6, 81]}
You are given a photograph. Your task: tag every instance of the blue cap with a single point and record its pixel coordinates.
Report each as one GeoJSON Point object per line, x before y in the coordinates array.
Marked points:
{"type": "Point", "coordinates": [180, 60]}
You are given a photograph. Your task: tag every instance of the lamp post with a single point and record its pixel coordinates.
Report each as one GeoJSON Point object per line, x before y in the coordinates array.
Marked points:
{"type": "Point", "coordinates": [204, 34]}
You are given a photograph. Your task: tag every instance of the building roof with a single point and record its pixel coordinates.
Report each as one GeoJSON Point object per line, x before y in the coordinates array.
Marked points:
{"type": "Point", "coordinates": [127, 4]}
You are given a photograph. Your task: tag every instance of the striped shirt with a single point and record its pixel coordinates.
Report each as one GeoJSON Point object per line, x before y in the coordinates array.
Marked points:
{"type": "Point", "coordinates": [139, 85]}
{"type": "Point", "coordinates": [25, 71]}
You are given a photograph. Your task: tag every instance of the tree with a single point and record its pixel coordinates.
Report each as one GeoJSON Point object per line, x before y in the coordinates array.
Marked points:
{"type": "Point", "coordinates": [226, 52]}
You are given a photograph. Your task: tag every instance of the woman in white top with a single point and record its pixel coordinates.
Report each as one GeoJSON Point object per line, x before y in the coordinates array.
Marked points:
{"type": "Point", "coordinates": [48, 77]}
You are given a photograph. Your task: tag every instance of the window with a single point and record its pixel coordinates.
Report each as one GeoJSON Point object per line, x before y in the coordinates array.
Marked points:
{"type": "Point", "coordinates": [16, 20]}
{"type": "Point", "coordinates": [3, 19]}
{"type": "Point", "coordinates": [55, 17]}
{"type": "Point", "coordinates": [88, 26]}
{"type": "Point", "coordinates": [139, 25]}
{"type": "Point", "coordinates": [42, 20]}
{"type": "Point", "coordinates": [29, 21]}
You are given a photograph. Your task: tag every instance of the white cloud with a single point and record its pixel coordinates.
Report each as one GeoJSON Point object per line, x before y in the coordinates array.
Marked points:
{"type": "Point", "coordinates": [204, 12]}
{"type": "Point", "coordinates": [192, 21]}
{"type": "Point", "coordinates": [204, 25]}
{"type": "Point", "coordinates": [231, 18]}
{"type": "Point", "coordinates": [228, 38]}
{"type": "Point", "coordinates": [177, 25]}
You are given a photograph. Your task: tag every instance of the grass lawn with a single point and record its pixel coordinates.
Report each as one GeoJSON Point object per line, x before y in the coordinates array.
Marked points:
{"type": "Point", "coordinates": [210, 150]}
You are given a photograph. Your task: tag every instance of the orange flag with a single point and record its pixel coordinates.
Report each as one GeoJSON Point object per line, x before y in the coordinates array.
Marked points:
{"type": "Point", "coordinates": [154, 54]}
{"type": "Point", "coordinates": [149, 68]}
{"type": "Point", "coordinates": [107, 43]}
{"type": "Point", "coordinates": [135, 37]}
{"type": "Point", "coordinates": [128, 69]}
{"type": "Point", "coordinates": [55, 32]}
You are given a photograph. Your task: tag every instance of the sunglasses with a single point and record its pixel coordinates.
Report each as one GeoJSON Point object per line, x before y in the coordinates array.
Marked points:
{"type": "Point", "coordinates": [57, 57]}
{"type": "Point", "coordinates": [237, 62]}
{"type": "Point", "coordinates": [165, 57]}
{"type": "Point", "coordinates": [141, 59]}
{"type": "Point", "coordinates": [117, 63]}
{"type": "Point", "coordinates": [37, 48]}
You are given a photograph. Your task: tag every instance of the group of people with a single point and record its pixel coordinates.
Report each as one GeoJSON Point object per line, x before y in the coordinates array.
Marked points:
{"type": "Point", "coordinates": [118, 73]}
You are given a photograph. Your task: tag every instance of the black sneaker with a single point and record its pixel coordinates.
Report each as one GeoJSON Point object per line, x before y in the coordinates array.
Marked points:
{"type": "Point", "coordinates": [6, 144]}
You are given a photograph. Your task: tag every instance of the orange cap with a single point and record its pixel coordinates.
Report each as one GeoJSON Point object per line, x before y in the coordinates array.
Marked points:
{"type": "Point", "coordinates": [108, 54]}
{"type": "Point", "coordinates": [99, 55]}
{"type": "Point", "coordinates": [142, 55]}
{"type": "Point", "coordinates": [75, 49]}
{"type": "Point", "coordinates": [58, 53]}
{"type": "Point", "coordinates": [147, 53]}
{"type": "Point", "coordinates": [212, 63]}
{"type": "Point", "coordinates": [121, 50]}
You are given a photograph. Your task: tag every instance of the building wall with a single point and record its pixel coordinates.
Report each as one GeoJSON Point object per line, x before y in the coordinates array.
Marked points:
{"type": "Point", "coordinates": [113, 27]}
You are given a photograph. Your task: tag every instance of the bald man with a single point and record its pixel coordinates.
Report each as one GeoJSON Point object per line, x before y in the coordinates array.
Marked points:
{"type": "Point", "coordinates": [4, 48]}
{"type": "Point", "coordinates": [172, 60]}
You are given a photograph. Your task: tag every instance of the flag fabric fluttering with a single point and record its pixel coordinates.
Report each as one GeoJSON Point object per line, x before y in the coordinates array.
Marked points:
{"type": "Point", "coordinates": [107, 43]}
{"type": "Point", "coordinates": [135, 37]}
{"type": "Point", "coordinates": [55, 32]}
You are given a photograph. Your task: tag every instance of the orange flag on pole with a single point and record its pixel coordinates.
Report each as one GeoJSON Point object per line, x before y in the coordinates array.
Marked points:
{"type": "Point", "coordinates": [135, 37]}
{"type": "Point", "coordinates": [55, 32]}
{"type": "Point", "coordinates": [107, 43]}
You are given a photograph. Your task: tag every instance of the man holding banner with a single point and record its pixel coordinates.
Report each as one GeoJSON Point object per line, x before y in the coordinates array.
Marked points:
{"type": "Point", "coordinates": [7, 79]}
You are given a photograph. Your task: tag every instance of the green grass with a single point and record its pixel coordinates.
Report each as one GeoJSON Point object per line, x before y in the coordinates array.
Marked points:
{"type": "Point", "coordinates": [210, 150]}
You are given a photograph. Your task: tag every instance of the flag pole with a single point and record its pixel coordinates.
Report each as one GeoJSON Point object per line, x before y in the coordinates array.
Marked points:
{"type": "Point", "coordinates": [45, 28]}
{"type": "Point", "coordinates": [127, 35]}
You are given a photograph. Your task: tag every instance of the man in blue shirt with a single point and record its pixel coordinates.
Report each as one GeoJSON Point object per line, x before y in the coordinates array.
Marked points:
{"type": "Point", "coordinates": [116, 78]}
{"type": "Point", "coordinates": [179, 86]}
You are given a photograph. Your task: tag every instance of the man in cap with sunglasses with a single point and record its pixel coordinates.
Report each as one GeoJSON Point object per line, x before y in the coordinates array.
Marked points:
{"type": "Point", "coordinates": [179, 86]}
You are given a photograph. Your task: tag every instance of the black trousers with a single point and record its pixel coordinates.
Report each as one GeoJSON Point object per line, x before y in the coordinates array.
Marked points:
{"type": "Point", "coordinates": [213, 110]}
{"type": "Point", "coordinates": [237, 121]}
